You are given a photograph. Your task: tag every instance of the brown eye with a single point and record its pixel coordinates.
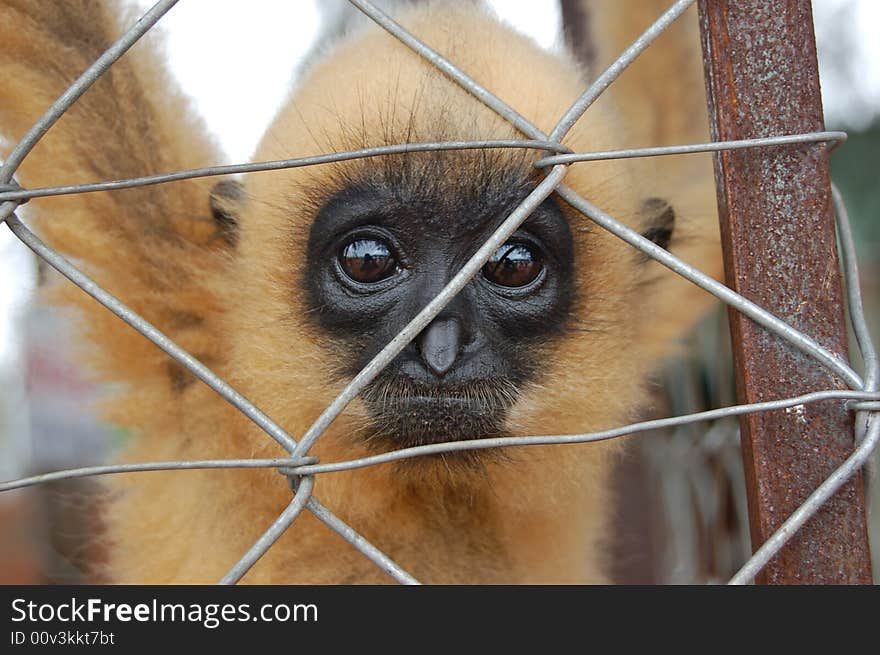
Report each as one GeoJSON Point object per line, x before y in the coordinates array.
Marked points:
{"type": "Point", "coordinates": [367, 260]}
{"type": "Point", "coordinates": [513, 265]}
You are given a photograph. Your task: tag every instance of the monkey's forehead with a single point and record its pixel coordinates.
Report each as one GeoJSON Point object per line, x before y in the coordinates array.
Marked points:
{"type": "Point", "coordinates": [469, 204]}
{"type": "Point", "coordinates": [371, 88]}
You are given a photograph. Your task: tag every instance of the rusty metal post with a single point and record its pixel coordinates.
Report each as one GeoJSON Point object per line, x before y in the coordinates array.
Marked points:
{"type": "Point", "coordinates": [780, 251]}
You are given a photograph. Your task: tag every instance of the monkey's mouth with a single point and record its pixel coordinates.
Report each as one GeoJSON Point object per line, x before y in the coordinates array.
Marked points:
{"type": "Point", "coordinates": [404, 413]}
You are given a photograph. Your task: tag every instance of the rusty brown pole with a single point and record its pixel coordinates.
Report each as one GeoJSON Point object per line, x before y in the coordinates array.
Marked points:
{"type": "Point", "coordinates": [780, 251]}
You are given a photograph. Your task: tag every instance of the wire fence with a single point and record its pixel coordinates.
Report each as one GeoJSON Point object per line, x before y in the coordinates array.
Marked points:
{"type": "Point", "coordinates": [861, 395]}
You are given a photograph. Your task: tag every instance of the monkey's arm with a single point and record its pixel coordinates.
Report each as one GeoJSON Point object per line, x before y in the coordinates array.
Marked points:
{"type": "Point", "coordinates": [153, 247]}
{"type": "Point", "coordinates": [661, 94]}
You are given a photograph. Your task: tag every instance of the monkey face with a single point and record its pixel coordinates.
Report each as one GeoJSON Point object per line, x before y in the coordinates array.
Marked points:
{"type": "Point", "coordinates": [554, 335]}
{"type": "Point", "coordinates": [381, 248]}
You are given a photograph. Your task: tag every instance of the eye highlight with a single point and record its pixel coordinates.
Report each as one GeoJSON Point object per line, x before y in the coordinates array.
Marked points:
{"type": "Point", "coordinates": [368, 260]}
{"type": "Point", "coordinates": [514, 265]}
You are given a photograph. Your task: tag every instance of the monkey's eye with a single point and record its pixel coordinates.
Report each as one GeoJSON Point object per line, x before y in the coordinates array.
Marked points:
{"type": "Point", "coordinates": [514, 265]}
{"type": "Point", "coordinates": [367, 260]}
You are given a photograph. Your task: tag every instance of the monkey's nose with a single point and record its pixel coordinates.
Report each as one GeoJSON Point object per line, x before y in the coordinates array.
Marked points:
{"type": "Point", "coordinates": [439, 344]}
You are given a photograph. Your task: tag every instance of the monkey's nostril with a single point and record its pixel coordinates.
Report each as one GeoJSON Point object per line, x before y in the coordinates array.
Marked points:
{"type": "Point", "coordinates": [439, 344]}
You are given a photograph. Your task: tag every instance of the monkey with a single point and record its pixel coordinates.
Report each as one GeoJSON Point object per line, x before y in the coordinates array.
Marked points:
{"type": "Point", "coordinates": [287, 282]}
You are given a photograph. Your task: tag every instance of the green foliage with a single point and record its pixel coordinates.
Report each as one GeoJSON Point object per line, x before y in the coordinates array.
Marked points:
{"type": "Point", "coordinates": [855, 168]}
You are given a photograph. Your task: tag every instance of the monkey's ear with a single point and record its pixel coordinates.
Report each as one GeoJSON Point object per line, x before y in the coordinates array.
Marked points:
{"type": "Point", "coordinates": [227, 198]}
{"type": "Point", "coordinates": [658, 221]}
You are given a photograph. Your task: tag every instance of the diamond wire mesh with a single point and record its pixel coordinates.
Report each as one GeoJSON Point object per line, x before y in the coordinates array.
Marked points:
{"type": "Point", "coordinates": [301, 469]}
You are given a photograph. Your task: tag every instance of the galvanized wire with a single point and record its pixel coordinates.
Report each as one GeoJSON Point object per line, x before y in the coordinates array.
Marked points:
{"type": "Point", "coordinates": [309, 465]}
{"type": "Point", "coordinates": [17, 193]}
{"type": "Point", "coordinates": [264, 543]}
{"type": "Point", "coordinates": [859, 323]}
{"type": "Point", "coordinates": [301, 469]}
{"type": "Point", "coordinates": [833, 138]}
{"type": "Point", "coordinates": [145, 467]}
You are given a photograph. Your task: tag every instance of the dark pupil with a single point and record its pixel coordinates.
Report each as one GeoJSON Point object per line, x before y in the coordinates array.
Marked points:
{"type": "Point", "coordinates": [367, 260]}
{"type": "Point", "coordinates": [513, 265]}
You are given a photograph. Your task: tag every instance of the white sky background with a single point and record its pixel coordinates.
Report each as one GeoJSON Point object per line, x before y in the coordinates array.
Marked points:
{"type": "Point", "coordinates": [242, 63]}
{"type": "Point", "coordinates": [847, 30]}
{"type": "Point", "coordinates": [237, 59]}
{"type": "Point", "coordinates": [239, 63]}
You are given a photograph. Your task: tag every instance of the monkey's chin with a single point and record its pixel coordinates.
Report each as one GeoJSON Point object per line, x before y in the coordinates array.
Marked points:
{"type": "Point", "coordinates": [404, 414]}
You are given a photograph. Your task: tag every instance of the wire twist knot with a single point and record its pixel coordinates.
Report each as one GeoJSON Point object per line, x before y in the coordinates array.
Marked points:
{"type": "Point", "coordinates": [294, 478]}
{"type": "Point", "coordinates": [12, 187]}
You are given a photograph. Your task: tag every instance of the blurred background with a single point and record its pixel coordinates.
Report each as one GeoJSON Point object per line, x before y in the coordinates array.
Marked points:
{"type": "Point", "coordinates": [683, 515]}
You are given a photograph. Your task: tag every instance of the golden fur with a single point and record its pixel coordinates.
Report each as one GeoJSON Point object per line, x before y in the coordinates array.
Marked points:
{"type": "Point", "coordinates": [534, 515]}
